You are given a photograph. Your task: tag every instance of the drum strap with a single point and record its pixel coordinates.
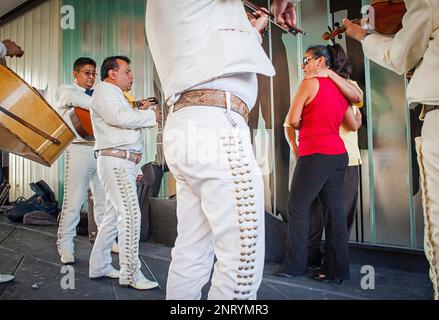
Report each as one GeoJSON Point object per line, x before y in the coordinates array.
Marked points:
{"type": "Point", "coordinates": [29, 126]}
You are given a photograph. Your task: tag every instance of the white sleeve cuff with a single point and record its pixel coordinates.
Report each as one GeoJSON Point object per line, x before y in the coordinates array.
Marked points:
{"type": "Point", "coordinates": [2, 50]}
{"type": "Point", "coordinates": [257, 35]}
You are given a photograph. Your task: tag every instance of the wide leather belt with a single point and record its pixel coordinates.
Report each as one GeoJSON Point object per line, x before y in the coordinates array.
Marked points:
{"type": "Point", "coordinates": [123, 154]}
{"type": "Point", "coordinates": [426, 109]}
{"type": "Point", "coordinates": [211, 98]}
{"type": "Point", "coordinates": [84, 143]}
{"type": "Point", "coordinates": [429, 108]}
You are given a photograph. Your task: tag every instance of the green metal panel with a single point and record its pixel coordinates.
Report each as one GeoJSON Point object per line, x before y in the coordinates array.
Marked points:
{"type": "Point", "coordinates": [106, 28]}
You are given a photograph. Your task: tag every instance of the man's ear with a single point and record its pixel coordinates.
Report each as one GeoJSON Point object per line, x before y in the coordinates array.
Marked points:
{"type": "Point", "coordinates": [112, 74]}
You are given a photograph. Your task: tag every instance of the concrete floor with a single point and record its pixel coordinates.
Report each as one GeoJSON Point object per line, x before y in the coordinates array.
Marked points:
{"type": "Point", "coordinates": [29, 253]}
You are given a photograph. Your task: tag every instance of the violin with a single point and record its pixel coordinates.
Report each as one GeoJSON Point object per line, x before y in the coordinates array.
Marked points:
{"type": "Point", "coordinates": [387, 16]}
{"type": "Point", "coordinates": [140, 104]}
{"type": "Point", "coordinates": [251, 7]}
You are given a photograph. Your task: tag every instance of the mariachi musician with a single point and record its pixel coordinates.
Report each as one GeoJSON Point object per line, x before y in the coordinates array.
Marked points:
{"type": "Point", "coordinates": [416, 45]}
{"type": "Point", "coordinates": [79, 161]}
{"type": "Point", "coordinates": [119, 148]}
{"type": "Point", "coordinates": [9, 48]}
{"type": "Point", "coordinates": [210, 90]}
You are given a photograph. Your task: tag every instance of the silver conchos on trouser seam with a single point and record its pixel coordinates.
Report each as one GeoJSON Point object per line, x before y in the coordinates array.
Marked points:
{"type": "Point", "coordinates": [131, 223]}
{"type": "Point", "coordinates": [247, 213]}
{"type": "Point", "coordinates": [429, 246]}
{"type": "Point", "coordinates": [65, 200]}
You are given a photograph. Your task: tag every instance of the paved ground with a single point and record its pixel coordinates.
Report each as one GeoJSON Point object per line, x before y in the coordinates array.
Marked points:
{"type": "Point", "coordinates": [30, 254]}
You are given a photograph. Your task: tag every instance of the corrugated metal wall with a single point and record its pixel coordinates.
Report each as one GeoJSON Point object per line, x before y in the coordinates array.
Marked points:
{"type": "Point", "coordinates": [107, 28]}
{"type": "Point", "coordinates": [37, 32]}
{"type": "Point", "coordinates": [392, 211]}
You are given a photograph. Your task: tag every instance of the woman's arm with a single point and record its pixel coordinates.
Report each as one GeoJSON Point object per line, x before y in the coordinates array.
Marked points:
{"type": "Point", "coordinates": [290, 135]}
{"type": "Point", "coordinates": [307, 89]}
{"type": "Point", "coordinates": [352, 120]}
{"type": "Point", "coordinates": [351, 92]}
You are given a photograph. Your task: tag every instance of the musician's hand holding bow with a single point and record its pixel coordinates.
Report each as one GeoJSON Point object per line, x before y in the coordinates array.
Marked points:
{"type": "Point", "coordinates": [259, 20]}
{"type": "Point", "coordinates": [284, 12]}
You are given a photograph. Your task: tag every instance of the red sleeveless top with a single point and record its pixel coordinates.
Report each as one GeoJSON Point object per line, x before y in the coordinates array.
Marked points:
{"type": "Point", "coordinates": [321, 120]}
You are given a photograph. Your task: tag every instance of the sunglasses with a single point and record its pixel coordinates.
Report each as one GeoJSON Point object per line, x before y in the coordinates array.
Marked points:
{"type": "Point", "coordinates": [305, 60]}
{"type": "Point", "coordinates": [88, 73]}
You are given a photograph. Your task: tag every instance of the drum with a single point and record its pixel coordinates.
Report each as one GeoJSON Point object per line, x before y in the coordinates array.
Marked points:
{"type": "Point", "coordinates": [29, 126]}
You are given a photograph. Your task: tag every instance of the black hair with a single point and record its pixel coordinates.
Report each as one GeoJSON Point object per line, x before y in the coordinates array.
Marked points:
{"type": "Point", "coordinates": [110, 63]}
{"type": "Point", "coordinates": [82, 61]}
{"type": "Point", "coordinates": [335, 58]}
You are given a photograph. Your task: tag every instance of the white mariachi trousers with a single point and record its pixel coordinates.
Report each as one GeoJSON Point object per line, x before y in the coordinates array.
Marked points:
{"type": "Point", "coordinates": [220, 208]}
{"type": "Point", "coordinates": [122, 219]}
{"type": "Point", "coordinates": [428, 159]}
{"type": "Point", "coordinates": [80, 173]}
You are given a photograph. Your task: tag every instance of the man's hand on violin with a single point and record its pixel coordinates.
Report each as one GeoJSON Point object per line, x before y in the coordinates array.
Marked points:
{"type": "Point", "coordinates": [259, 20]}
{"type": "Point", "coordinates": [151, 104]}
{"type": "Point", "coordinates": [145, 105]}
{"type": "Point", "coordinates": [284, 13]}
{"type": "Point", "coordinates": [12, 49]}
{"type": "Point", "coordinates": [353, 30]}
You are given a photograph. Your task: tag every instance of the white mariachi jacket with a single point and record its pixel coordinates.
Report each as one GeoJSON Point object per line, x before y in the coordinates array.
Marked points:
{"type": "Point", "coordinates": [2, 50]}
{"type": "Point", "coordinates": [68, 96]}
{"type": "Point", "coordinates": [194, 41]}
{"type": "Point", "coordinates": [418, 39]}
{"type": "Point", "coordinates": [115, 123]}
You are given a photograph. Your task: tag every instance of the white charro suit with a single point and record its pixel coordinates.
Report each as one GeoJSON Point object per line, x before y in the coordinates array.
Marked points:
{"type": "Point", "coordinates": [210, 44]}
{"type": "Point", "coordinates": [80, 172]}
{"type": "Point", "coordinates": [417, 44]}
{"type": "Point", "coordinates": [117, 125]}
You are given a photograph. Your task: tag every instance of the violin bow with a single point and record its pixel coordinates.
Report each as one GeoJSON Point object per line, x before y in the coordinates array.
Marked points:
{"type": "Point", "coordinates": [271, 18]}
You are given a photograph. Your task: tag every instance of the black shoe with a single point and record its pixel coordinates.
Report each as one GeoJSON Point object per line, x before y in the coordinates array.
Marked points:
{"type": "Point", "coordinates": [324, 278]}
{"type": "Point", "coordinates": [314, 267]}
{"type": "Point", "coordinates": [281, 274]}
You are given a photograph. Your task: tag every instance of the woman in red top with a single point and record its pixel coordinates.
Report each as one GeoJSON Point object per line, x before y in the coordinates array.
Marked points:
{"type": "Point", "coordinates": [317, 111]}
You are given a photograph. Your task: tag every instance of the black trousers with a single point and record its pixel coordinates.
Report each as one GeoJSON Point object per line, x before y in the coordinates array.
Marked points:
{"type": "Point", "coordinates": [318, 175]}
{"type": "Point", "coordinates": [318, 215]}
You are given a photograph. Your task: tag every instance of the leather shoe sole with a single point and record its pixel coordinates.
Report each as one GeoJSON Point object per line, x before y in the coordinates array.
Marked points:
{"type": "Point", "coordinates": [141, 285]}
{"type": "Point", "coordinates": [114, 274]}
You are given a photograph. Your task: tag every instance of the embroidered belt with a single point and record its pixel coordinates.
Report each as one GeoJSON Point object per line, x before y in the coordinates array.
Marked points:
{"type": "Point", "coordinates": [84, 143]}
{"type": "Point", "coordinates": [429, 108]}
{"type": "Point", "coordinates": [123, 154]}
{"type": "Point", "coordinates": [211, 98]}
{"type": "Point", "coordinates": [426, 109]}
